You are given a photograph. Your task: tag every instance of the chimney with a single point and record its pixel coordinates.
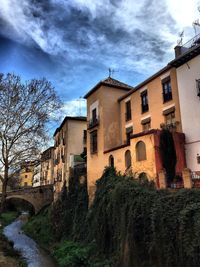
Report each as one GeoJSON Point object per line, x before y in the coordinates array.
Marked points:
{"type": "Point", "coordinates": [178, 51]}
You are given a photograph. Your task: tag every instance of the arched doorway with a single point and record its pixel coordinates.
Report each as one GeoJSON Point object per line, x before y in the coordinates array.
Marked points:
{"type": "Point", "coordinates": [128, 159]}
{"type": "Point", "coordinates": [111, 161]}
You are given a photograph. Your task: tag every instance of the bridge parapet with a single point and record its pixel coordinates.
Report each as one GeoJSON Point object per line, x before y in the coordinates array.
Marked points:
{"type": "Point", "coordinates": [38, 196]}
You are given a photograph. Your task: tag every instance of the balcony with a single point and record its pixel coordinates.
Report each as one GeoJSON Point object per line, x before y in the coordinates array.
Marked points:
{"type": "Point", "coordinates": [93, 123]}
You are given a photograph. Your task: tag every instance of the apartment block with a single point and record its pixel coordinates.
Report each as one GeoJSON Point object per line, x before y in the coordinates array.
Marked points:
{"type": "Point", "coordinates": [187, 65]}
{"type": "Point", "coordinates": [69, 142]}
{"type": "Point", "coordinates": [47, 166]}
{"type": "Point", "coordinates": [124, 126]}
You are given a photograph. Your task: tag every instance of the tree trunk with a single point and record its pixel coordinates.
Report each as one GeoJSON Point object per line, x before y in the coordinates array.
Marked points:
{"type": "Point", "coordinates": [4, 189]}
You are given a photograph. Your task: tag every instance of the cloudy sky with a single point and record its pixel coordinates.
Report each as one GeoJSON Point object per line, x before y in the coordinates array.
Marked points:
{"type": "Point", "coordinates": [73, 42]}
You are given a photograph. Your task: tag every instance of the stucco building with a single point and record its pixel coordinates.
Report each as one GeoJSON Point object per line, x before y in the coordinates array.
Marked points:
{"type": "Point", "coordinates": [187, 64]}
{"type": "Point", "coordinates": [27, 173]}
{"type": "Point", "coordinates": [47, 167]}
{"type": "Point", "coordinates": [69, 142]}
{"type": "Point", "coordinates": [124, 126]}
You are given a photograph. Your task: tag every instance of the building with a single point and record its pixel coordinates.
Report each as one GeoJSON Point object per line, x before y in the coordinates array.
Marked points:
{"type": "Point", "coordinates": [47, 167]}
{"type": "Point", "coordinates": [187, 64]}
{"type": "Point", "coordinates": [124, 126]}
{"type": "Point", "coordinates": [69, 143]}
{"type": "Point", "coordinates": [26, 174]}
{"type": "Point", "coordinates": [36, 180]}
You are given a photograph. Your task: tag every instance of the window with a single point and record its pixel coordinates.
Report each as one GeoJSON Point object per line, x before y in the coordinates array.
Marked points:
{"type": "Point", "coordinates": [128, 110]}
{"type": "Point", "coordinates": [141, 151]}
{"type": "Point", "coordinates": [84, 136]}
{"type": "Point", "coordinates": [144, 101]}
{"type": "Point", "coordinates": [167, 90]}
{"type": "Point", "coordinates": [94, 115]}
{"type": "Point", "coordinates": [26, 176]}
{"type": "Point", "coordinates": [146, 126]}
{"type": "Point", "coordinates": [25, 184]}
{"type": "Point", "coordinates": [111, 161]}
{"type": "Point", "coordinates": [170, 118]}
{"type": "Point", "coordinates": [128, 159]}
{"type": "Point", "coordinates": [129, 131]}
{"type": "Point", "coordinates": [94, 121]}
{"type": "Point", "coordinates": [93, 142]}
{"type": "Point", "coordinates": [198, 87]}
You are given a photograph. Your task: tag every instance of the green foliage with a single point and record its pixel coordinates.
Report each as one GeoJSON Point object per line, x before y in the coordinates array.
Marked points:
{"type": "Point", "coordinates": [8, 217]}
{"type": "Point", "coordinates": [143, 226]}
{"type": "Point", "coordinates": [68, 213]}
{"type": "Point", "coordinates": [130, 223]}
{"type": "Point", "coordinates": [168, 153]}
{"type": "Point", "coordinates": [40, 228]}
{"type": "Point", "coordinates": [71, 254]}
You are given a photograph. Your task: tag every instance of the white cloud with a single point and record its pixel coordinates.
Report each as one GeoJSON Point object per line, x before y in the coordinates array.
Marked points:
{"type": "Point", "coordinates": [160, 22]}
{"type": "Point", "coordinates": [75, 107]}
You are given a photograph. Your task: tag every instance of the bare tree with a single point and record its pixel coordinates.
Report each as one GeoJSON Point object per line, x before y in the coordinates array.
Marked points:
{"type": "Point", "coordinates": [25, 109]}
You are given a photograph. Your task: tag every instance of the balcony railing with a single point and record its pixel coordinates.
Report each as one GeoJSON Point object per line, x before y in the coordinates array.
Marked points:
{"type": "Point", "coordinates": [93, 122]}
{"type": "Point", "coordinates": [192, 42]}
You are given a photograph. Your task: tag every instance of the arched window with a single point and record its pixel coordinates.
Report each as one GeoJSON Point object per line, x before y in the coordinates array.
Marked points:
{"type": "Point", "coordinates": [128, 159]}
{"type": "Point", "coordinates": [141, 151]}
{"type": "Point", "coordinates": [111, 161]}
{"type": "Point", "coordinates": [143, 176]}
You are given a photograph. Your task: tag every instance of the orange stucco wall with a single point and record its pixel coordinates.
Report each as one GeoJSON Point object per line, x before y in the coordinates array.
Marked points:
{"type": "Point", "coordinates": [156, 105]}
{"type": "Point", "coordinates": [112, 126]}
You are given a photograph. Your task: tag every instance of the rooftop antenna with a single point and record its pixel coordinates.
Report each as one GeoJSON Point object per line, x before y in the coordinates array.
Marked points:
{"type": "Point", "coordinates": [196, 24]}
{"type": "Point", "coordinates": [180, 41]}
{"type": "Point", "coordinates": [111, 72]}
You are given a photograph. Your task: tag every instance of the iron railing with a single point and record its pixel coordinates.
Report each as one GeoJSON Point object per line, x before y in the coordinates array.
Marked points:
{"type": "Point", "coordinates": [192, 42]}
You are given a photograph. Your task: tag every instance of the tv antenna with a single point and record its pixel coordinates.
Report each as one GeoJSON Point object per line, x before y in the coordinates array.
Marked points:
{"type": "Point", "coordinates": [180, 41]}
{"type": "Point", "coordinates": [196, 24]}
{"type": "Point", "coordinates": [111, 72]}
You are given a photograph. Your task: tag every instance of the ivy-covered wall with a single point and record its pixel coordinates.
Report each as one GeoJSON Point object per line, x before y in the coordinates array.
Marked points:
{"type": "Point", "coordinates": [130, 223]}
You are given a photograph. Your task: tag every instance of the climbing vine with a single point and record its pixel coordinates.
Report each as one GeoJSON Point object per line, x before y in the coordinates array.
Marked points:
{"type": "Point", "coordinates": [168, 154]}
{"type": "Point", "coordinates": [132, 223]}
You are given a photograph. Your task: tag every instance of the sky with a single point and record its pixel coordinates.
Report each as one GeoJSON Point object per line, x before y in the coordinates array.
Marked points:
{"type": "Point", "coordinates": [73, 43]}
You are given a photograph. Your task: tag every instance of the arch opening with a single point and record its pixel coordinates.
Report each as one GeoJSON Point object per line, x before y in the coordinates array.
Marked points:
{"type": "Point", "coordinates": [141, 151]}
{"type": "Point", "coordinates": [128, 162]}
{"type": "Point", "coordinates": [20, 204]}
{"type": "Point", "coordinates": [111, 161]}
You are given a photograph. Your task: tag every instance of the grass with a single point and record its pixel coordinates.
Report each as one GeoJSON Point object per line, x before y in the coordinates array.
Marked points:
{"type": "Point", "coordinates": [73, 254]}
{"type": "Point", "coordinates": [39, 228]}
{"type": "Point", "coordinates": [66, 253]}
{"type": "Point", "coordinates": [8, 217]}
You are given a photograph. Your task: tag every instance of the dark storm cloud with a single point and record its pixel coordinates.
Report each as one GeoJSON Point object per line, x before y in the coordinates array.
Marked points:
{"type": "Point", "coordinates": [76, 41]}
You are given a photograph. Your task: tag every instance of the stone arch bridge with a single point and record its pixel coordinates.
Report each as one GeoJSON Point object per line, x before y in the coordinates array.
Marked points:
{"type": "Point", "coordinates": [39, 196]}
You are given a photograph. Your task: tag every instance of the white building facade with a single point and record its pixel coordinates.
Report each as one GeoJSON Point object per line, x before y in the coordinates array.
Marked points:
{"type": "Point", "coordinates": [188, 78]}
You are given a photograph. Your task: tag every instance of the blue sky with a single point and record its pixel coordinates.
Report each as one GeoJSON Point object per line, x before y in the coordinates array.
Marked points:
{"type": "Point", "coordinates": [73, 42]}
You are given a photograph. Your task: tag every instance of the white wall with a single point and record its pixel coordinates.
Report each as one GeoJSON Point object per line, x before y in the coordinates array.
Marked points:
{"type": "Point", "coordinates": [187, 74]}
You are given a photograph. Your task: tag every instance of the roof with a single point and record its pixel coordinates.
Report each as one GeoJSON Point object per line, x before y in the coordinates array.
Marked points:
{"type": "Point", "coordinates": [67, 118]}
{"type": "Point", "coordinates": [184, 57]}
{"type": "Point", "coordinates": [109, 82]}
{"type": "Point", "coordinates": [166, 68]}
